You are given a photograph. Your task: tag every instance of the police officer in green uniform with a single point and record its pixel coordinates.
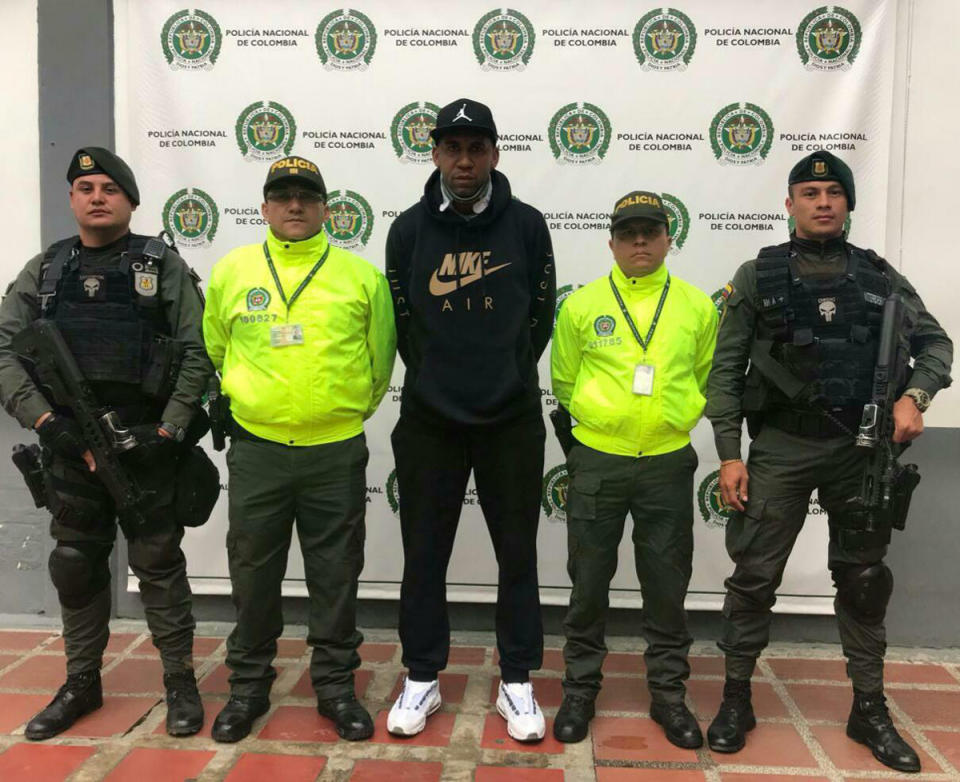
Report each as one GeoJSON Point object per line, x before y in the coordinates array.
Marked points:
{"type": "Point", "coordinates": [631, 353]}
{"type": "Point", "coordinates": [302, 332]}
{"type": "Point", "coordinates": [810, 310]}
{"type": "Point", "coordinates": [133, 324]}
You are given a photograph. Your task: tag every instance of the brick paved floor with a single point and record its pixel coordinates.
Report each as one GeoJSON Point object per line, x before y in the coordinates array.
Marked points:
{"type": "Point", "coordinates": [801, 697]}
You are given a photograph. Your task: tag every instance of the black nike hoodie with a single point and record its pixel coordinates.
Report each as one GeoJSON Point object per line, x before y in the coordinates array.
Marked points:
{"type": "Point", "coordinates": [473, 302]}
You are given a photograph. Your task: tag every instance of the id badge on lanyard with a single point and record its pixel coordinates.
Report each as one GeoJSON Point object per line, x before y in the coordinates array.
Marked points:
{"type": "Point", "coordinates": [289, 334]}
{"type": "Point", "coordinates": [643, 373]}
{"type": "Point", "coordinates": [643, 380]}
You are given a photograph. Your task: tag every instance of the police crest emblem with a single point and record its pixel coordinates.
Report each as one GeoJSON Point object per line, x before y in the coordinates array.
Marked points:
{"type": "Point", "coordinates": [604, 326]}
{"type": "Point", "coordinates": [828, 39]}
{"type": "Point", "coordinates": [410, 132]}
{"type": "Point", "coordinates": [265, 131]}
{"type": "Point", "coordinates": [351, 219]}
{"type": "Point", "coordinates": [503, 40]}
{"type": "Point", "coordinates": [741, 134]}
{"type": "Point", "coordinates": [554, 497]}
{"type": "Point", "coordinates": [192, 216]}
{"type": "Point", "coordinates": [346, 40]}
{"type": "Point", "coordinates": [664, 40]}
{"type": "Point", "coordinates": [145, 279]}
{"type": "Point", "coordinates": [191, 40]}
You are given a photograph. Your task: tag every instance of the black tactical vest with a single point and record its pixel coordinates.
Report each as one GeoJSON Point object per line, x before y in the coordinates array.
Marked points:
{"type": "Point", "coordinates": [825, 331]}
{"type": "Point", "coordinates": [111, 315]}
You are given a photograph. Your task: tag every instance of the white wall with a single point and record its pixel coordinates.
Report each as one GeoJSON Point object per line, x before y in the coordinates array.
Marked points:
{"type": "Point", "coordinates": [931, 184]}
{"type": "Point", "coordinates": [20, 161]}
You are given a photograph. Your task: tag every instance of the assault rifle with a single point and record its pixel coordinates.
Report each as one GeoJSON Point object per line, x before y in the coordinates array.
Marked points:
{"type": "Point", "coordinates": [884, 498]}
{"type": "Point", "coordinates": [42, 346]}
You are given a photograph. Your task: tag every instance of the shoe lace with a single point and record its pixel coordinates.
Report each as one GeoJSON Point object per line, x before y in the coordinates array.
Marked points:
{"type": "Point", "coordinates": [521, 695]}
{"type": "Point", "coordinates": [178, 684]}
{"type": "Point", "coordinates": [874, 710]}
{"type": "Point", "coordinates": [411, 698]}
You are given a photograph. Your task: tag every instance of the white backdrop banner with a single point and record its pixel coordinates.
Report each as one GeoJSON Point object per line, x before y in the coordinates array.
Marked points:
{"type": "Point", "coordinates": [709, 103]}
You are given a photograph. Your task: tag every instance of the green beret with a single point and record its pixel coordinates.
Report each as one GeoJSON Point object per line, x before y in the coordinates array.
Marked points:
{"type": "Point", "coordinates": [97, 160]}
{"type": "Point", "coordinates": [822, 166]}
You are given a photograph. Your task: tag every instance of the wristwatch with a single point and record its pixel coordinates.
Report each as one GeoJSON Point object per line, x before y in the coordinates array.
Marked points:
{"type": "Point", "coordinates": [177, 433]}
{"type": "Point", "coordinates": [920, 398]}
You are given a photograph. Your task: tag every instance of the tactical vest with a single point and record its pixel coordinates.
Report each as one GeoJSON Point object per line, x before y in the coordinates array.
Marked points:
{"type": "Point", "coordinates": [825, 331]}
{"type": "Point", "coordinates": [111, 315]}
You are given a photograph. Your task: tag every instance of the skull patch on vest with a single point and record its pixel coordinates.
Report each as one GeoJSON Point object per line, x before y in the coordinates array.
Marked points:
{"type": "Point", "coordinates": [828, 308]}
{"type": "Point", "coordinates": [94, 288]}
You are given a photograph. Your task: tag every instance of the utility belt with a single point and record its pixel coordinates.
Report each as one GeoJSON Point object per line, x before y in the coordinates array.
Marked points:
{"type": "Point", "coordinates": [240, 433]}
{"type": "Point", "coordinates": [811, 423]}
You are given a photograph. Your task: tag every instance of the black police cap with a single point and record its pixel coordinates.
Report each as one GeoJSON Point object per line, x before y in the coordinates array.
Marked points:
{"type": "Point", "coordinates": [638, 204]}
{"type": "Point", "coordinates": [97, 160]}
{"type": "Point", "coordinates": [465, 114]}
{"type": "Point", "coordinates": [823, 166]}
{"type": "Point", "coordinates": [297, 170]}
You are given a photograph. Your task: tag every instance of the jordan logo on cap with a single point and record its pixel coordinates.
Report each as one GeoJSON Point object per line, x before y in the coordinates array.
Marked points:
{"type": "Point", "coordinates": [462, 114]}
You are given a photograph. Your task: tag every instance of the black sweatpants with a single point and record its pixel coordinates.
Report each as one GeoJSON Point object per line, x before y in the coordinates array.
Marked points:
{"type": "Point", "coordinates": [433, 465]}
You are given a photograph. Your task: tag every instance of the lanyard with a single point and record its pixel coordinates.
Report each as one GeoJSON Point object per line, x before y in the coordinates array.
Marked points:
{"type": "Point", "coordinates": [644, 343]}
{"type": "Point", "coordinates": [304, 284]}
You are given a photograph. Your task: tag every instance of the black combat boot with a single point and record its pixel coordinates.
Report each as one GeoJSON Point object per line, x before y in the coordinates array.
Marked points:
{"type": "Point", "coordinates": [728, 731]}
{"type": "Point", "coordinates": [679, 725]}
{"type": "Point", "coordinates": [80, 695]}
{"type": "Point", "coordinates": [870, 724]}
{"type": "Point", "coordinates": [235, 720]}
{"type": "Point", "coordinates": [184, 709]}
{"type": "Point", "coordinates": [573, 719]}
{"type": "Point", "coordinates": [351, 720]}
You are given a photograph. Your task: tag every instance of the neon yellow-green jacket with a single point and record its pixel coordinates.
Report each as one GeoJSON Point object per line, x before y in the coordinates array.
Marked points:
{"type": "Point", "coordinates": [322, 390]}
{"type": "Point", "coordinates": [593, 364]}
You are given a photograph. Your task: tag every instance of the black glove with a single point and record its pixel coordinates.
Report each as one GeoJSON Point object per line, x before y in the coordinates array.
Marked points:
{"type": "Point", "coordinates": [63, 436]}
{"type": "Point", "coordinates": [152, 447]}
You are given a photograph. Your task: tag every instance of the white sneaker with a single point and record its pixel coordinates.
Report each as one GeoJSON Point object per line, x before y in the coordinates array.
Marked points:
{"type": "Point", "coordinates": [417, 701]}
{"type": "Point", "coordinates": [519, 708]}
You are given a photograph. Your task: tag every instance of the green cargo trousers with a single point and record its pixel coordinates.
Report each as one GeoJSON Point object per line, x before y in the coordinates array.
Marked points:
{"type": "Point", "coordinates": [784, 469]}
{"type": "Point", "coordinates": [322, 489]}
{"type": "Point", "coordinates": [155, 557]}
{"type": "Point", "coordinates": [658, 493]}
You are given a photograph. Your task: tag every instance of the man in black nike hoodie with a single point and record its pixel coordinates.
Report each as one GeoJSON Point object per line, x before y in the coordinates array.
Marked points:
{"type": "Point", "coordinates": [472, 275]}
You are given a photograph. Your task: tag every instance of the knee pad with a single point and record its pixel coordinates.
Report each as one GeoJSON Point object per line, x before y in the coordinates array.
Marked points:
{"type": "Point", "coordinates": [79, 571]}
{"type": "Point", "coordinates": [865, 590]}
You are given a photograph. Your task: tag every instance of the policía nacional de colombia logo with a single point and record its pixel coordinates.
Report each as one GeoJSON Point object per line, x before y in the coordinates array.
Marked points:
{"type": "Point", "coordinates": [678, 220]}
{"type": "Point", "coordinates": [258, 299]}
{"type": "Point", "coordinates": [351, 219]}
{"type": "Point", "coordinates": [828, 39]}
{"type": "Point", "coordinates": [664, 40]}
{"type": "Point", "coordinates": [410, 131]}
{"type": "Point", "coordinates": [741, 134]}
{"type": "Point", "coordinates": [265, 131]}
{"type": "Point", "coordinates": [346, 40]}
{"type": "Point", "coordinates": [579, 133]}
{"type": "Point", "coordinates": [604, 326]}
{"type": "Point", "coordinates": [715, 512]}
{"type": "Point", "coordinates": [191, 40]}
{"type": "Point", "coordinates": [554, 496]}
{"type": "Point", "coordinates": [503, 40]}
{"type": "Point", "coordinates": [191, 216]}
{"type": "Point", "coordinates": [393, 493]}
